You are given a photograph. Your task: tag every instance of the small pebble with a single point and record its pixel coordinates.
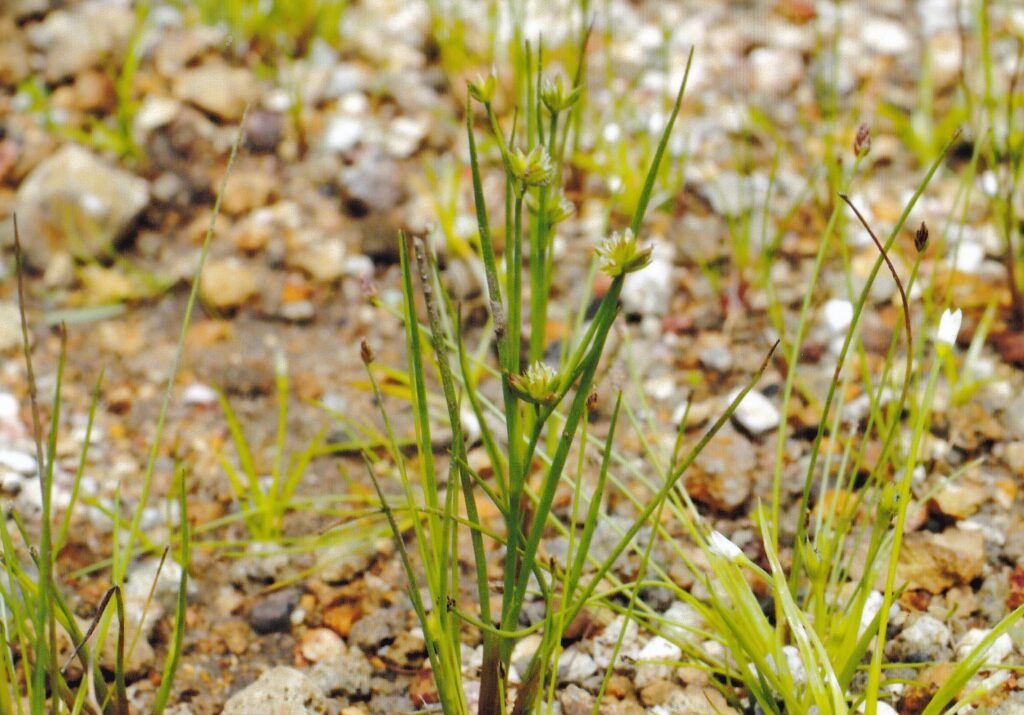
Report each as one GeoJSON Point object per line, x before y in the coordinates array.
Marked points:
{"type": "Point", "coordinates": [755, 413]}
{"type": "Point", "coordinates": [17, 461]}
{"type": "Point", "coordinates": [319, 644]}
{"type": "Point", "coordinates": [997, 652]}
{"type": "Point", "coordinates": [272, 613]}
{"type": "Point", "coordinates": [199, 394]}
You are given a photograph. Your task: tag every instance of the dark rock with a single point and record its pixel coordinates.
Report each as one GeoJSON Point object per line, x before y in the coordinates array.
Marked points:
{"type": "Point", "coordinates": [272, 613]}
{"type": "Point", "coordinates": [263, 130]}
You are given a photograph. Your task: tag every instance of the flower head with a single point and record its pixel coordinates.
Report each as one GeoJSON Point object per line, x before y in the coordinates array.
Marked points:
{"type": "Point", "coordinates": [537, 385]}
{"type": "Point", "coordinates": [559, 207]}
{"type": "Point", "coordinates": [619, 254]}
{"type": "Point", "coordinates": [554, 96]}
{"type": "Point", "coordinates": [533, 168]}
{"type": "Point", "coordinates": [949, 328]}
{"type": "Point", "coordinates": [719, 543]}
{"type": "Point", "coordinates": [482, 90]}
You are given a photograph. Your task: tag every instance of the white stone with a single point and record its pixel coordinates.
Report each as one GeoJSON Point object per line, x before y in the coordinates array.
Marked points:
{"type": "Point", "coordinates": [682, 621]}
{"type": "Point", "coordinates": [884, 36]}
{"type": "Point", "coordinates": [575, 666]}
{"type": "Point", "coordinates": [755, 413]}
{"type": "Point", "coordinates": [342, 134]}
{"type": "Point", "coordinates": [795, 664]}
{"type": "Point", "coordinates": [8, 407]}
{"type": "Point", "coordinates": [18, 461]}
{"type": "Point", "coordinates": [524, 651]}
{"type": "Point", "coordinates": [838, 314]}
{"type": "Point", "coordinates": [659, 648]}
{"type": "Point", "coordinates": [997, 652]}
{"type": "Point", "coordinates": [199, 393]}
{"type": "Point", "coordinates": [776, 70]}
{"type": "Point", "coordinates": [881, 708]}
{"type": "Point", "coordinates": [404, 136]}
{"type": "Point", "coordinates": [968, 256]}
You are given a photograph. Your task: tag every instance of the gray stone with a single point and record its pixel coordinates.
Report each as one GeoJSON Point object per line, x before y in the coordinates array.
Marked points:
{"type": "Point", "coordinates": [342, 562]}
{"type": "Point", "coordinates": [273, 612]}
{"type": "Point", "coordinates": [375, 181]}
{"type": "Point", "coordinates": [347, 675]}
{"type": "Point", "coordinates": [82, 37]}
{"type": "Point", "coordinates": [370, 631]}
{"type": "Point", "coordinates": [926, 640]}
{"type": "Point", "coordinates": [576, 701]}
{"type": "Point", "coordinates": [74, 201]}
{"type": "Point", "coordinates": [279, 691]}
{"type": "Point", "coordinates": [605, 644]}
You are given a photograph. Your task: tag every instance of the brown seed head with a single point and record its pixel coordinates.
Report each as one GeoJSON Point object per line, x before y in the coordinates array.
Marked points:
{"type": "Point", "coordinates": [921, 238]}
{"type": "Point", "coordinates": [862, 142]}
{"type": "Point", "coordinates": [366, 352]}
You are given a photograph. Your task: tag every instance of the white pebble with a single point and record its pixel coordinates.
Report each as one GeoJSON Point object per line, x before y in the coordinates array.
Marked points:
{"type": "Point", "coordinates": [997, 652]}
{"type": "Point", "coordinates": [18, 461]}
{"type": "Point", "coordinates": [659, 648]}
{"type": "Point", "coordinates": [838, 314]}
{"type": "Point", "coordinates": [755, 413]}
{"type": "Point", "coordinates": [199, 394]}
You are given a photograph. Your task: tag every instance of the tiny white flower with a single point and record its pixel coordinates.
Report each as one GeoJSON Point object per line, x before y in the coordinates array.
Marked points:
{"type": "Point", "coordinates": [949, 327]}
{"type": "Point", "coordinates": [720, 544]}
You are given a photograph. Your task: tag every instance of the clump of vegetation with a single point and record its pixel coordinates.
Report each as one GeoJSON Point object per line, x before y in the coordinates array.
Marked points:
{"type": "Point", "coordinates": [279, 27]}
{"type": "Point", "coordinates": [829, 617]}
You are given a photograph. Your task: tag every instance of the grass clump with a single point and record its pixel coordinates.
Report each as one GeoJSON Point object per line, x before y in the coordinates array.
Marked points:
{"type": "Point", "coordinates": [543, 412]}
{"type": "Point", "coordinates": [265, 500]}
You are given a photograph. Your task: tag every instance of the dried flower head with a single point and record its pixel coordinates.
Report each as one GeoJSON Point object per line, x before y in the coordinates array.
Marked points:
{"type": "Point", "coordinates": [532, 168]}
{"type": "Point", "coordinates": [619, 254]}
{"type": "Point", "coordinates": [537, 384]}
{"type": "Point", "coordinates": [921, 238]}
{"type": "Point", "coordinates": [862, 142]}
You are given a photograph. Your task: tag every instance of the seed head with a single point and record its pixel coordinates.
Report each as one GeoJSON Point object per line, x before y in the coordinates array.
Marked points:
{"type": "Point", "coordinates": [862, 142]}
{"type": "Point", "coordinates": [921, 238]}
{"type": "Point", "coordinates": [366, 352]}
